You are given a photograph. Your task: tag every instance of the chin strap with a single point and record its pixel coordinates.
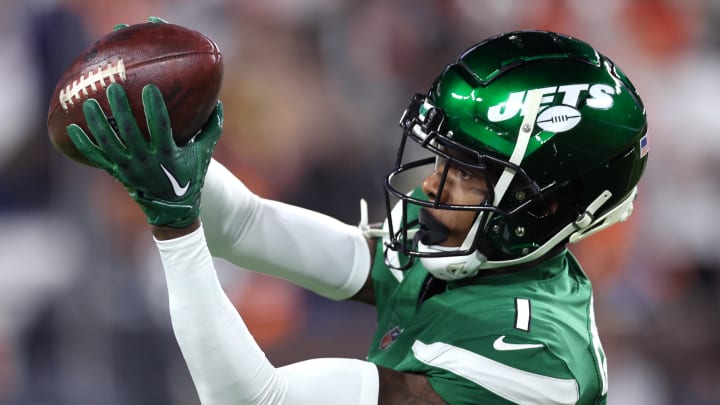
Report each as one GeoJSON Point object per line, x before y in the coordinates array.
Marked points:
{"type": "Point", "coordinates": [451, 268]}
{"type": "Point", "coordinates": [584, 226]}
{"type": "Point", "coordinates": [620, 213]}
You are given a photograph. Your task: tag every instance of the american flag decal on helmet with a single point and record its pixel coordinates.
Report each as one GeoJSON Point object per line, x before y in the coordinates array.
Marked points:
{"type": "Point", "coordinates": [644, 146]}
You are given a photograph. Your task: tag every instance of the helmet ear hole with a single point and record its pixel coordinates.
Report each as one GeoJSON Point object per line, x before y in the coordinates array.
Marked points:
{"type": "Point", "coordinates": [544, 207]}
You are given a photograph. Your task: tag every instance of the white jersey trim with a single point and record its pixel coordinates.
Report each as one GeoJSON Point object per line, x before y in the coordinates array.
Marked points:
{"type": "Point", "coordinates": [519, 386]}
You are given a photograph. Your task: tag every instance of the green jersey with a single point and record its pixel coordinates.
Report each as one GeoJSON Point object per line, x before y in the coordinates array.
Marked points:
{"type": "Point", "coordinates": [526, 337]}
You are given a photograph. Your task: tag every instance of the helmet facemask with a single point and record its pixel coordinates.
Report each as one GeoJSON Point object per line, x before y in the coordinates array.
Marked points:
{"type": "Point", "coordinates": [424, 126]}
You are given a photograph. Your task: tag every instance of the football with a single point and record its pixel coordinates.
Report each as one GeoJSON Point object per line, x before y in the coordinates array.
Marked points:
{"type": "Point", "coordinates": [186, 66]}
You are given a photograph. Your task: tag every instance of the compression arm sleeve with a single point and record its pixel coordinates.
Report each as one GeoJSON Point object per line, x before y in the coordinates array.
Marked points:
{"type": "Point", "coordinates": [309, 249]}
{"type": "Point", "coordinates": [226, 364]}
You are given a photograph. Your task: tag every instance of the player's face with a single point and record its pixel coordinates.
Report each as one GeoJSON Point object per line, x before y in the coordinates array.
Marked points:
{"type": "Point", "coordinates": [463, 186]}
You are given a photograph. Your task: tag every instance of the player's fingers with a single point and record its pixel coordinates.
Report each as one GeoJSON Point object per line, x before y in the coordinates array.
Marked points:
{"type": "Point", "coordinates": [157, 20]}
{"type": "Point", "coordinates": [213, 127]}
{"type": "Point", "coordinates": [158, 119]}
{"type": "Point", "coordinates": [128, 130]}
{"type": "Point", "coordinates": [103, 132]}
{"type": "Point", "coordinates": [83, 144]}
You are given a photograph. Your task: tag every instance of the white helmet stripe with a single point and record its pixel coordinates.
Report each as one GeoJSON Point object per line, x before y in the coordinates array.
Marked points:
{"type": "Point", "coordinates": [532, 106]}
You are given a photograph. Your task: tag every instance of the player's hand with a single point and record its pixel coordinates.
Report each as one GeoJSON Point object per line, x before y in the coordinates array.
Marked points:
{"type": "Point", "coordinates": [163, 178]}
{"type": "Point", "coordinates": [151, 19]}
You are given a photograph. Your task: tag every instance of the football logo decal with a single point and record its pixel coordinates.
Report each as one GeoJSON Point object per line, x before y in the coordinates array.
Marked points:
{"type": "Point", "coordinates": [562, 113]}
{"type": "Point", "coordinates": [559, 118]}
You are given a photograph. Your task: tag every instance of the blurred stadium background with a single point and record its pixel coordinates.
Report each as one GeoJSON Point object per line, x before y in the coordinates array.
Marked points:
{"type": "Point", "coordinates": [313, 90]}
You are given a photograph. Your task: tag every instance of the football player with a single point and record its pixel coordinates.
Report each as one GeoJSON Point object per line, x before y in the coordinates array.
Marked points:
{"type": "Point", "coordinates": [531, 140]}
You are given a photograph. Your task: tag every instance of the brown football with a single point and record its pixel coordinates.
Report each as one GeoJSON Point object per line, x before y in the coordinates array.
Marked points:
{"type": "Point", "coordinates": [186, 66]}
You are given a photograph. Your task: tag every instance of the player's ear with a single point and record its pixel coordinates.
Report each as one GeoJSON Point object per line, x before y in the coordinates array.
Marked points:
{"type": "Point", "coordinates": [553, 207]}
{"type": "Point", "coordinates": [546, 207]}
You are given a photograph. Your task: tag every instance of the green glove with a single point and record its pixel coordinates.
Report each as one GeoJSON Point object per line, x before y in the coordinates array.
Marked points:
{"type": "Point", "coordinates": [151, 19]}
{"type": "Point", "coordinates": [164, 179]}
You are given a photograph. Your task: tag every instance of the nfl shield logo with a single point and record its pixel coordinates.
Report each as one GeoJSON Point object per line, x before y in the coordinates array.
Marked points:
{"type": "Point", "coordinates": [389, 337]}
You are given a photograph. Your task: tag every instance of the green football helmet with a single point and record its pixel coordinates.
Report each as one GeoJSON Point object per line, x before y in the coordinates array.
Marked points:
{"type": "Point", "coordinates": [559, 131]}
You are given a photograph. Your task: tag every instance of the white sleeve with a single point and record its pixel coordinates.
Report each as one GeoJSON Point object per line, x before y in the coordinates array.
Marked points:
{"type": "Point", "coordinates": [226, 364]}
{"type": "Point", "coordinates": [309, 249]}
